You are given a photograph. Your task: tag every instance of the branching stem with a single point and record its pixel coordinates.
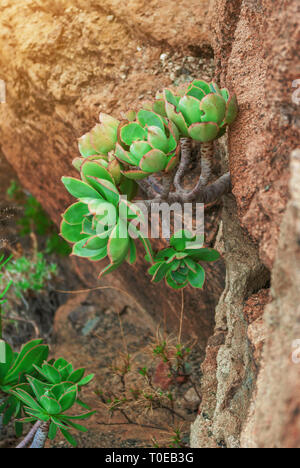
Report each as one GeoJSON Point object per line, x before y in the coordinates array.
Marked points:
{"type": "Point", "coordinates": [201, 193]}
{"type": "Point", "coordinates": [40, 436]}
{"type": "Point", "coordinates": [26, 441]}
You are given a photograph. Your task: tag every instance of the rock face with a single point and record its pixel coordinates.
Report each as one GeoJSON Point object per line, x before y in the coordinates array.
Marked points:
{"type": "Point", "coordinates": [256, 50]}
{"type": "Point", "coordinates": [66, 60]}
{"type": "Point", "coordinates": [256, 54]}
{"type": "Point", "coordinates": [274, 417]}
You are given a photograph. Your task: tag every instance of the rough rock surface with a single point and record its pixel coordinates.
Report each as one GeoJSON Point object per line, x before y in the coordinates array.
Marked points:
{"type": "Point", "coordinates": [256, 54]}
{"type": "Point", "coordinates": [274, 420]}
{"type": "Point", "coordinates": [256, 44]}
{"type": "Point", "coordinates": [229, 371]}
{"type": "Point", "coordinates": [65, 60]}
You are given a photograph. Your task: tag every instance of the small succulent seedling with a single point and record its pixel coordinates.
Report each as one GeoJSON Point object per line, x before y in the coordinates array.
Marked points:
{"type": "Point", "coordinates": [60, 371]}
{"type": "Point", "coordinates": [179, 264]}
{"type": "Point", "coordinates": [13, 375]}
{"type": "Point", "coordinates": [98, 223]}
{"type": "Point", "coordinates": [49, 404]}
{"type": "Point", "coordinates": [148, 145]}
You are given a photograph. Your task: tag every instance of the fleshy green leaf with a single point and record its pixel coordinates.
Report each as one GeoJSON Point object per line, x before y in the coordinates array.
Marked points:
{"type": "Point", "coordinates": [79, 189]}
{"type": "Point", "coordinates": [214, 108]}
{"type": "Point", "coordinates": [80, 251]}
{"type": "Point", "coordinates": [27, 399]}
{"type": "Point", "coordinates": [68, 399]}
{"type": "Point", "coordinates": [77, 375]}
{"type": "Point", "coordinates": [204, 255]}
{"type": "Point", "coordinates": [71, 233]}
{"type": "Point", "coordinates": [136, 174]}
{"type": "Point", "coordinates": [109, 191]}
{"type": "Point", "coordinates": [204, 132]}
{"type": "Point", "coordinates": [159, 140]}
{"type": "Point", "coordinates": [25, 361]}
{"type": "Point", "coordinates": [132, 254]}
{"type": "Point", "coordinates": [172, 284]}
{"type": "Point", "coordinates": [190, 109]}
{"type": "Point", "coordinates": [150, 119]}
{"type": "Point", "coordinates": [69, 438]}
{"type": "Point", "coordinates": [154, 161]}
{"type": "Point", "coordinates": [133, 132]}
{"type": "Point", "coordinates": [52, 431]}
{"type": "Point", "coordinates": [93, 169]}
{"type": "Point", "coordinates": [76, 213]}
{"type": "Point", "coordinates": [118, 244]}
{"type": "Point", "coordinates": [4, 367]}
{"type": "Point", "coordinates": [197, 279]}
{"type": "Point", "coordinates": [50, 405]}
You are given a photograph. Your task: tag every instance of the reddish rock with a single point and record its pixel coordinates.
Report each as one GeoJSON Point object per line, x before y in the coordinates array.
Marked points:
{"type": "Point", "coordinates": [255, 306]}
{"type": "Point", "coordinates": [256, 48]}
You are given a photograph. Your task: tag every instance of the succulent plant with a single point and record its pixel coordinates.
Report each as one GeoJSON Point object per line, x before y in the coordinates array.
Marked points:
{"type": "Point", "coordinates": [12, 376]}
{"type": "Point", "coordinates": [101, 139]}
{"type": "Point", "coordinates": [203, 112]}
{"type": "Point", "coordinates": [48, 404]}
{"type": "Point", "coordinates": [179, 264]}
{"type": "Point", "coordinates": [60, 371]}
{"type": "Point", "coordinates": [125, 186]}
{"type": "Point", "coordinates": [99, 145]}
{"type": "Point", "coordinates": [147, 143]}
{"type": "Point", "coordinates": [98, 224]}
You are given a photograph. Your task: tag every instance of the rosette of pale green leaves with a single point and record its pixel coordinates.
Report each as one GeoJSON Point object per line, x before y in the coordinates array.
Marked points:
{"type": "Point", "coordinates": [203, 112]}
{"type": "Point", "coordinates": [99, 145]}
{"type": "Point", "coordinates": [49, 403]}
{"type": "Point", "coordinates": [98, 223]}
{"type": "Point", "coordinates": [147, 144]}
{"type": "Point", "coordinates": [56, 372]}
{"type": "Point", "coordinates": [179, 264]}
{"type": "Point", "coordinates": [101, 139]}
{"type": "Point", "coordinates": [12, 376]}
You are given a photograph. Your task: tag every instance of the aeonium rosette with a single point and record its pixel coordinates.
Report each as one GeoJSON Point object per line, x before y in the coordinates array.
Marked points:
{"type": "Point", "coordinates": [100, 224]}
{"type": "Point", "coordinates": [202, 112]}
{"type": "Point", "coordinates": [147, 144]}
{"type": "Point", "coordinates": [99, 145]}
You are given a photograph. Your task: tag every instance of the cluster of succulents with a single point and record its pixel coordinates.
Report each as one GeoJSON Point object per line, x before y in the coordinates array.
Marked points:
{"type": "Point", "coordinates": [34, 390]}
{"type": "Point", "coordinates": [116, 155]}
{"type": "Point", "coordinates": [179, 264]}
